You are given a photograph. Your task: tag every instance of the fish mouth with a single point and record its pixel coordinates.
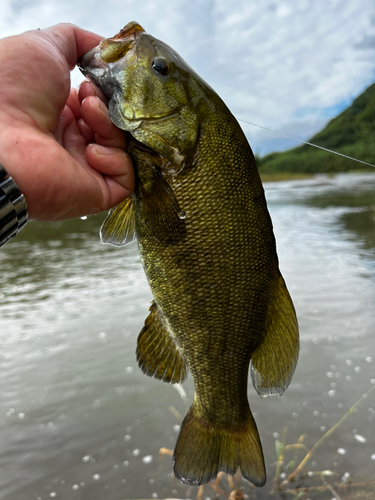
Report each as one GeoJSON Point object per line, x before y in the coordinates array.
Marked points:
{"type": "Point", "coordinates": [104, 63]}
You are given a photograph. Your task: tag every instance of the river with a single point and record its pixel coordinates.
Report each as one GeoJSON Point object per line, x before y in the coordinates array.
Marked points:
{"type": "Point", "coordinates": [79, 420]}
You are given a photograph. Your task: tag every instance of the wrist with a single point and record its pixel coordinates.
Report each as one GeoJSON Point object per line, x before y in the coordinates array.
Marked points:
{"type": "Point", "coordinates": [13, 207]}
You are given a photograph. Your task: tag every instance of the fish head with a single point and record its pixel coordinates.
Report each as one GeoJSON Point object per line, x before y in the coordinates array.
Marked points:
{"type": "Point", "coordinates": [148, 86]}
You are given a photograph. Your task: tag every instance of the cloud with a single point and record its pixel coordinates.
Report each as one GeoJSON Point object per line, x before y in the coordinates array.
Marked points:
{"type": "Point", "coordinates": [289, 66]}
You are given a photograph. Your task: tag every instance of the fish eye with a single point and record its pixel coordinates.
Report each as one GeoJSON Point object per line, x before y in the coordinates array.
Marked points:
{"type": "Point", "coordinates": [160, 66]}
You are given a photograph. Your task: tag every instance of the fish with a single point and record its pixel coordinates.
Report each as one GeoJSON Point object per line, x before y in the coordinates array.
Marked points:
{"type": "Point", "coordinates": [199, 214]}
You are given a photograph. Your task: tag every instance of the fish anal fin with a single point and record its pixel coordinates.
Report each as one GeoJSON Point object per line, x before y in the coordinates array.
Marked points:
{"type": "Point", "coordinates": [274, 361]}
{"type": "Point", "coordinates": [157, 353]}
{"type": "Point", "coordinates": [119, 227]}
{"type": "Point", "coordinates": [203, 449]}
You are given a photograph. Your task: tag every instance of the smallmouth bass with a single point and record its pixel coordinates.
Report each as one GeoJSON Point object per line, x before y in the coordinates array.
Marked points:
{"type": "Point", "coordinates": [207, 246]}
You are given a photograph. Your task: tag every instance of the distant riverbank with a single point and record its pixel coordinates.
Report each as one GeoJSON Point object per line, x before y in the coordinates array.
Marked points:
{"type": "Point", "coordinates": [285, 176]}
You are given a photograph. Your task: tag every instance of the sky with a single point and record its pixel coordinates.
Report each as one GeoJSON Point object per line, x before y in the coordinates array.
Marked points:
{"type": "Point", "coordinates": [290, 66]}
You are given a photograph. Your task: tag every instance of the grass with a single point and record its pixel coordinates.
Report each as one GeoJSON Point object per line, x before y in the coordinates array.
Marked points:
{"type": "Point", "coordinates": [299, 472]}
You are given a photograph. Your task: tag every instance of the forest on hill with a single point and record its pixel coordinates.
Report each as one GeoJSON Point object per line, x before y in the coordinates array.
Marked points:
{"type": "Point", "coordinates": [351, 133]}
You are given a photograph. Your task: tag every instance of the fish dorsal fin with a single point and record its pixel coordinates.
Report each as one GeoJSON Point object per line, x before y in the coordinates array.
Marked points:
{"type": "Point", "coordinates": [157, 353]}
{"type": "Point", "coordinates": [119, 227]}
{"type": "Point", "coordinates": [274, 361]}
{"type": "Point", "coordinates": [161, 212]}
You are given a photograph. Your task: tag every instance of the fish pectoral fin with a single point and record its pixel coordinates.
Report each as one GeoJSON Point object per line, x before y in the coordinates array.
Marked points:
{"type": "Point", "coordinates": [119, 227]}
{"type": "Point", "coordinates": [161, 212]}
{"type": "Point", "coordinates": [274, 361]}
{"type": "Point", "coordinates": [157, 353]}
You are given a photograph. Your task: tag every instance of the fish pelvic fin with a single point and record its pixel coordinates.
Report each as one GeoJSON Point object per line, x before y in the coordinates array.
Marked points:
{"type": "Point", "coordinates": [274, 361]}
{"type": "Point", "coordinates": [204, 449]}
{"type": "Point", "coordinates": [157, 353]}
{"type": "Point", "coordinates": [119, 227]}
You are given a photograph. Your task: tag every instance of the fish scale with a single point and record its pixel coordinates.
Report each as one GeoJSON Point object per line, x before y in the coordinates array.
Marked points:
{"type": "Point", "coordinates": [206, 243]}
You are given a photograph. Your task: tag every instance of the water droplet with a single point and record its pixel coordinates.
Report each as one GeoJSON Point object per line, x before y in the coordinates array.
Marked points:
{"type": "Point", "coordinates": [330, 374]}
{"type": "Point", "coordinates": [136, 452]}
{"type": "Point", "coordinates": [357, 369]}
{"type": "Point", "coordinates": [21, 415]}
{"type": "Point", "coordinates": [123, 481]}
{"type": "Point", "coordinates": [96, 477]}
{"type": "Point", "coordinates": [368, 359]}
{"type": "Point", "coordinates": [127, 437]}
{"type": "Point", "coordinates": [176, 428]}
{"type": "Point", "coordinates": [75, 486]}
{"type": "Point", "coordinates": [345, 477]}
{"type": "Point", "coordinates": [276, 435]}
{"type": "Point", "coordinates": [349, 362]}
{"type": "Point", "coordinates": [332, 393]}
{"type": "Point", "coordinates": [126, 463]}
{"type": "Point", "coordinates": [129, 369]}
{"type": "Point", "coordinates": [152, 481]}
{"type": "Point", "coordinates": [341, 451]}
{"type": "Point", "coordinates": [147, 459]}
{"type": "Point", "coordinates": [52, 494]}
{"type": "Point", "coordinates": [84, 217]}
{"type": "Point", "coordinates": [316, 413]}
{"type": "Point", "coordinates": [182, 215]}
{"type": "Point", "coordinates": [359, 438]}
{"type": "Point", "coordinates": [154, 495]}
{"type": "Point", "coordinates": [373, 456]}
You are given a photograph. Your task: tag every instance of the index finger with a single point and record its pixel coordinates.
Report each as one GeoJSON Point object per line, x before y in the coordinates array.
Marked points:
{"type": "Point", "coordinates": [71, 40]}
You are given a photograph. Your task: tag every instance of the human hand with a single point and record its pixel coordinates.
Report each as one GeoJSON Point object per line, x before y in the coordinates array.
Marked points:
{"type": "Point", "coordinates": [47, 129]}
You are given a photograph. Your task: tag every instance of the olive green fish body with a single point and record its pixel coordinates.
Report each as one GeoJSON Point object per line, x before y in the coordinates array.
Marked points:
{"type": "Point", "coordinates": [207, 246]}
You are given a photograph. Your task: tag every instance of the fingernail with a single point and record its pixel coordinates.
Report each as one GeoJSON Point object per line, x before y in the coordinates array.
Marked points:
{"type": "Point", "coordinates": [101, 150]}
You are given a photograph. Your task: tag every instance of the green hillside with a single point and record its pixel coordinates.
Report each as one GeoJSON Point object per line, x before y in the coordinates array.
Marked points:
{"type": "Point", "coordinates": [351, 133]}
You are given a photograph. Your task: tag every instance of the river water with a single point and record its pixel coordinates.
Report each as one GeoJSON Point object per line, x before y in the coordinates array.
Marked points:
{"type": "Point", "coordinates": [78, 419]}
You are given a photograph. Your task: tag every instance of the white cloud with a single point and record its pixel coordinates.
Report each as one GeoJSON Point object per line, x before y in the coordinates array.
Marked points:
{"type": "Point", "coordinates": [284, 65]}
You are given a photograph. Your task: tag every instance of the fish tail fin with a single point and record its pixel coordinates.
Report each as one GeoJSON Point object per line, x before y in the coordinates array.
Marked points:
{"type": "Point", "coordinates": [204, 449]}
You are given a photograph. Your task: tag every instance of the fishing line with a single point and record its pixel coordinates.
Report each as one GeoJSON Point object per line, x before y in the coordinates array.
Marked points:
{"type": "Point", "coordinates": [308, 143]}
